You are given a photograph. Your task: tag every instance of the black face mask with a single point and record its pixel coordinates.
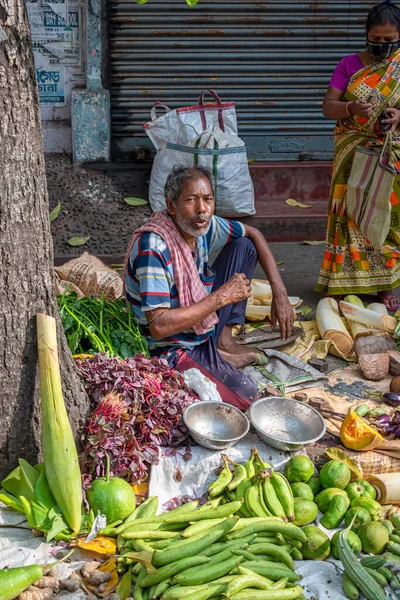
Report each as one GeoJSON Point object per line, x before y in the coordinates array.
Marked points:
{"type": "Point", "coordinates": [380, 51]}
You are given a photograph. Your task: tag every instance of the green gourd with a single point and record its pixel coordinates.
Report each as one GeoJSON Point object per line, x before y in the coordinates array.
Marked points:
{"type": "Point", "coordinates": [112, 496]}
{"type": "Point", "coordinates": [14, 580]}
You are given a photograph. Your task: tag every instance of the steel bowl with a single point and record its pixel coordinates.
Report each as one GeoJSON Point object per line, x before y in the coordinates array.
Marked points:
{"type": "Point", "coordinates": [286, 424]}
{"type": "Point", "coordinates": [215, 425]}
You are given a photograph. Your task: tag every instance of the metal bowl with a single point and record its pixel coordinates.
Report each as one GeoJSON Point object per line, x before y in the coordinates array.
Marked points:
{"type": "Point", "coordinates": [286, 424]}
{"type": "Point", "coordinates": [215, 425]}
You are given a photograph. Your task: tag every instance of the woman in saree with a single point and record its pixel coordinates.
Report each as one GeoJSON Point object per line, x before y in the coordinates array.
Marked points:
{"type": "Point", "coordinates": [362, 87]}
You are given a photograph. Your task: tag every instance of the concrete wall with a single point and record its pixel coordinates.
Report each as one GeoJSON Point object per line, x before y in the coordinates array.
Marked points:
{"type": "Point", "coordinates": [58, 31]}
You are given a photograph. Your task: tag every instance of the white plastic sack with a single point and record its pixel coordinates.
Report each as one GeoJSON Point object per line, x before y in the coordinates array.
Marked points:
{"type": "Point", "coordinates": [203, 135]}
{"type": "Point", "coordinates": [185, 123]}
{"type": "Point", "coordinates": [213, 137]}
{"type": "Point", "coordinates": [202, 385]}
{"type": "Point", "coordinates": [233, 191]}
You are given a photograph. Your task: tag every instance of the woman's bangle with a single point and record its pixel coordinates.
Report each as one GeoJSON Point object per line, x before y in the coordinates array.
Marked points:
{"type": "Point", "coordinates": [348, 111]}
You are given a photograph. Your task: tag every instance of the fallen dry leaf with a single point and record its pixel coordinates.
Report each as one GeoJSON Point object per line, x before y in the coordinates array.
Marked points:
{"type": "Point", "coordinates": [144, 558]}
{"type": "Point", "coordinates": [135, 201]}
{"type": "Point", "coordinates": [55, 212]}
{"type": "Point", "coordinates": [304, 310]}
{"type": "Point", "coordinates": [78, 241]}
{"type": "Point", "coordinates": [338, 454]}
{"type": "Point", "coordinates": [101, 545]}
{"type": "Point", "coordinates": [141, 489]}
{"type": "Point", "coordinates": [313, 242]}
{"type": "Point", "coordinates": [292, 202]}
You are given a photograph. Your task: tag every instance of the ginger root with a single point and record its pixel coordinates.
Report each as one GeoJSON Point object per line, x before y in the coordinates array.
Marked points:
{"type": "Point", "coordinates": [72, 584]}
{"type": "Point", "coordinates": [35, 593]}
{"type": "Point", "coordinates": [90, 567]}
{"type": "Point", "coordinates": [102, 588]}
{"type": "Point", "coordinates": [47, 582]}
{"type": "Point", "coordinates": [99, 577]}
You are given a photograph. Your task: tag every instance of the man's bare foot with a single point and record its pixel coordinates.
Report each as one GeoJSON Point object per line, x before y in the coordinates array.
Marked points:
{"type": "Point", "coordinates": [240, 360]}
{"type": "Point", "coordinates": [226, 342]}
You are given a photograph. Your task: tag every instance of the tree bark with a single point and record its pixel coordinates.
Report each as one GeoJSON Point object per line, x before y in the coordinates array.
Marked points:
{"type": "Point", "coordinates": [26, 251]}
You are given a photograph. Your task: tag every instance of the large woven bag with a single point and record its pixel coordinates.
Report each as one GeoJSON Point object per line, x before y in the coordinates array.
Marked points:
{"type": "Point", "coordinates": [368, 193]}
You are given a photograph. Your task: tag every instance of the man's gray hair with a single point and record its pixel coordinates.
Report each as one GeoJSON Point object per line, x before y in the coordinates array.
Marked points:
{"type": "Point", "coordinates": [178, 177]}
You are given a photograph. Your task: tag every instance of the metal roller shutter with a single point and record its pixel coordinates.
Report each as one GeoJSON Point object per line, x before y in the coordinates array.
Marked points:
{"type": "Point", "coordinates": [274, 59]}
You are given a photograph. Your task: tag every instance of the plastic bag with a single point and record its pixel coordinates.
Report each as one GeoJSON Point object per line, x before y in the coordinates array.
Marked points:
{"type": "Point", "coordinates": [202, 136]}
{"type": "Point", "coordinates": [202, 385]}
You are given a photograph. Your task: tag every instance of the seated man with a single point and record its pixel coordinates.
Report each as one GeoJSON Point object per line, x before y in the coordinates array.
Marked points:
{"type": "Point", "coordinates": [186, 308]}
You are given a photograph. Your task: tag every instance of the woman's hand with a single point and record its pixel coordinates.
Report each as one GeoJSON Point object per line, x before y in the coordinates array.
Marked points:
{"type": "Point", "coordinates": [394, 118]}
{"type": "Point", "coordinates": [283, 313]}
{"type": "Point", "coordinates": [361, 108]}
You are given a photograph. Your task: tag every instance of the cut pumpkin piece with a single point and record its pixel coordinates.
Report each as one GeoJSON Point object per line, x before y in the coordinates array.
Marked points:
{"type": "Point", "coordinates": [356, 434]}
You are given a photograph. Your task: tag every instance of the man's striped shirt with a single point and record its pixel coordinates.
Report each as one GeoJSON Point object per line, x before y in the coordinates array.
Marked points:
{"type": "Point", "coordinates": [150, 280]}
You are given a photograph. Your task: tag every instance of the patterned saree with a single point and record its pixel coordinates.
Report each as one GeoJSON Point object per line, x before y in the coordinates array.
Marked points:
{"type": "Point", "coordinates": [351, 264]}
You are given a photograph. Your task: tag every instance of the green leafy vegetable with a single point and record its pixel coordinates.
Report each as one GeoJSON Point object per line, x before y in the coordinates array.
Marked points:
{"type": "Point", "coordinates": [21, 481]}
{"type": "Point", "coordinates": [31, 496]}
{"type": "Point", "coordinates": [94, 325]}
{"type": "Point", "coordinates": [43, 494]}
{"type": "Point", "coordinates": [124, 587]}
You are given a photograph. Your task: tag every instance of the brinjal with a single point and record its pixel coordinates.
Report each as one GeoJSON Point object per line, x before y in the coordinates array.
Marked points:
{"type": "Point", "coordinates": [392, 399]}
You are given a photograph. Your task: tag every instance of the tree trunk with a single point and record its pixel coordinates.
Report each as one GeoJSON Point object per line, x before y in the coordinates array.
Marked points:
{"type": "Point", "coordinates": [26, 250]}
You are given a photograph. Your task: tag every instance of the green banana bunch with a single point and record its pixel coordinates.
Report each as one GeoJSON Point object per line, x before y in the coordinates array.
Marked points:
{"type": "Point", "coordinates": [239, 475]}
{"type": "Point", "coordinates": [249, 465]}
{"type": "Point", "coordinates": [263, 492]}
{"type": "Point", "coordinates": [224, 478]}
{"type": "Point", "coordinates": [254, 501]}
{"type": "Point", "coordinates": [264, 506]}
{"type": "Point", "coordinates": [284, 493]}
{"type": "Point", "coordinates": [241, 495]}
{"type": "Point", "coordinates": [271, 499]}
{"type": "Point", "coordinates": [259, 464]}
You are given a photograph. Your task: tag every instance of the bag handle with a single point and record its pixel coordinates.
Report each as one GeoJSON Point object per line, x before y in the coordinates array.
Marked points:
{"type": "Point", "coordinates": [213, 94]}
{"type": "Point", "coordinates": [385, 156]}
{"type": "Point", "coordinates": [210, 136]}
{"type": "Point", "coordinates": [185, 125]}
{"type": "Point", "coordinates": [220, 110]}
{"type": "Point", "coordinates": [153, 112]}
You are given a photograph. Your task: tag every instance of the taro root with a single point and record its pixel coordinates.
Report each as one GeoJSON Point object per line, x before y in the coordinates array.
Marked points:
{"type": "Point", "coordinates": [374, 344]}
{"type": "Point", "coordinates": [374, 366]}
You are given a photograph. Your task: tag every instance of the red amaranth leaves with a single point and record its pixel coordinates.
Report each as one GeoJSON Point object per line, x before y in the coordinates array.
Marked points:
{"type": "Point", "coordinates": [140, 404]}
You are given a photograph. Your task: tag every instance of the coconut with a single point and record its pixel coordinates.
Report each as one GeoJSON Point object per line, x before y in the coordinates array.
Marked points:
{"type": "Point", "coordinates": [395, 385]}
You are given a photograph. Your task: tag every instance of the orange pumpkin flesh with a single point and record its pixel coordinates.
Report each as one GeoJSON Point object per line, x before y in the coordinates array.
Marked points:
{"type": "Point", "coordinates": [356, 434]}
